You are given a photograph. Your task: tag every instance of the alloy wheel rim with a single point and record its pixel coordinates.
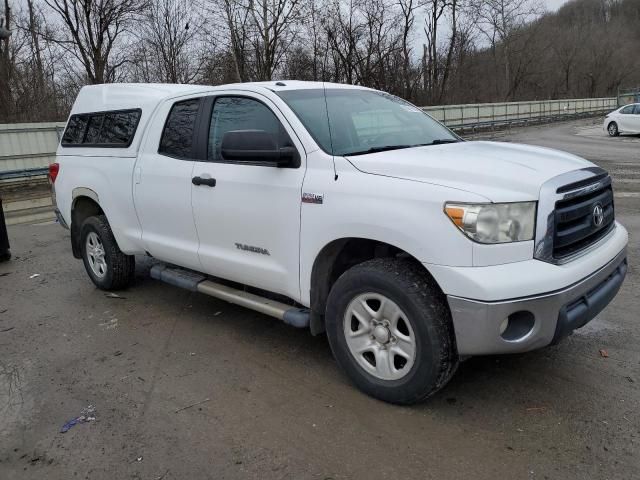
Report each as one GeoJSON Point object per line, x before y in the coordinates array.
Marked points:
{"type": "Point", "coordinates": [379, 336]}
{"type": "Point", "coordinates": [95, 255]}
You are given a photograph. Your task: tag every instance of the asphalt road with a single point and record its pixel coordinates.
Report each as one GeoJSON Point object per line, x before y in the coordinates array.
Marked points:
{"type": "Point", "coordinates": [188, 387]}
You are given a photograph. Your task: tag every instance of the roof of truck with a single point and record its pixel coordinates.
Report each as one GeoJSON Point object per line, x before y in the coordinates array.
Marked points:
{"type": "Point", "coordinates": [112, 96]}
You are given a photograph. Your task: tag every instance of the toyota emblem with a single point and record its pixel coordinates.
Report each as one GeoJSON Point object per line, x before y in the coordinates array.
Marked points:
{"type": "Point", "coordinates": [598, 215]}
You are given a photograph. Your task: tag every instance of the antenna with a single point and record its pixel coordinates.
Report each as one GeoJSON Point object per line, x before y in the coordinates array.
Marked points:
{"type": "Point", "coordinates": [333, 157]}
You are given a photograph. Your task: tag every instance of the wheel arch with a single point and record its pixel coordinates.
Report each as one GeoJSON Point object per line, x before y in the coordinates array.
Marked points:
{"type": "Point", "coordinates": [337, 257]}
{"type": "Point", "coordinates": [85, 204]}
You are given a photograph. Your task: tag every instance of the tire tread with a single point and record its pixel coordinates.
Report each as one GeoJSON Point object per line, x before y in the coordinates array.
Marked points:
{"type": "Point", "coordinates": [425, 293]}
{"type": "Point", "coordinates": [122, 266]}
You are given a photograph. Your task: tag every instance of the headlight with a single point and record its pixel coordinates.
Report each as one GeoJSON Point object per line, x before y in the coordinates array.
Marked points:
{"type": "Point", "coordinates": [494, 222]}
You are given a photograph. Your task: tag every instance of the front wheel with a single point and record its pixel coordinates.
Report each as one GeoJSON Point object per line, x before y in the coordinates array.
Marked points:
{"type": "Point", "coordinates": [613, 129]}
{"type": "Point", "coordinates": [390, 330]}
{"type": "Point", "coordinates": [107, 266]}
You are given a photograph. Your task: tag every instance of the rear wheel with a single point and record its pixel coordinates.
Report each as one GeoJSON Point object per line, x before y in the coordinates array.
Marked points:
{"type": "Point", "coordinates": [390, 330]}
{"type": "Point", "coordinates": [107, 266]}
{"type": "Point", "coordinates": [612, 128]}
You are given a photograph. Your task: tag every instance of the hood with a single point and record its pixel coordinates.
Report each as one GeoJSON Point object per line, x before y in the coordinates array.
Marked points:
{"type": "Point", "coordinates": [501, 172]}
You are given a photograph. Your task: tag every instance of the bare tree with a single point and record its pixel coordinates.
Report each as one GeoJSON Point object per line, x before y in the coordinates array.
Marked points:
{"type": "Point", "coordinates": [408, 10]}
{"type": "Point", "coordinates": [435, 10]}
{"type": "Point", "coordinates": [500, 21]}
{"type": "Point", "coordinates": [237, 21]}
{"type": "Point", "coordinates": [170, 51]}
{"type": "Point", "coordinates": [273, 32]}
{"type": "Point", "coordinates": [92, 30]}
{"type": "Point", "coordinates": [6, 62]}
{"type": "Point", "coordinates": [261, 32]}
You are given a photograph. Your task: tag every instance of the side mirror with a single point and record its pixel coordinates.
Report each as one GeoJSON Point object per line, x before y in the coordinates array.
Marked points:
{"type": "Point", "coordinates": [258, 146]}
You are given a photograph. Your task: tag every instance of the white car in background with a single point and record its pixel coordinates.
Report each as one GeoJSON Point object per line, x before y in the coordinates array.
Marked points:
{"type": "Point", "coordinates": [623, 120]}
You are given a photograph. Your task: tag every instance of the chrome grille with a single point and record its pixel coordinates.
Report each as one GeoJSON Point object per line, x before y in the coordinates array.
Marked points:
{"type": "Point", "coordinates": [583, 219]}
{"type": "Point", "coordinates": [566, 225]}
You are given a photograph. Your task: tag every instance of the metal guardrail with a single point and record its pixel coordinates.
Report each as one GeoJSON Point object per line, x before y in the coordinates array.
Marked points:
{"type": "Point", "coordinates": [479, 115]}
{"type": "Point", "coordinates": [27, 149]}
{"type": "Point", "coordinates": [25, 173]}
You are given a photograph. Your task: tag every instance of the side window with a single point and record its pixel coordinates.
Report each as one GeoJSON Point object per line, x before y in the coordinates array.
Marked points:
{"type": "Point", "coordinates": [240, 113]}
{"type": "Point", "coordinates": [637, 110]}
{"type": "Point", "coordinates": [178, 133]}
{"type": "Point", "coordinates": [104, 129]}
{"type": "Point", "coordinates": [118, 128]}
{"type": "Point", "coordinates": [627, 110]}
{"type": "Point", "coordinates": [76, 127]}
{"type": "Point", "coordinates": [93, 129]}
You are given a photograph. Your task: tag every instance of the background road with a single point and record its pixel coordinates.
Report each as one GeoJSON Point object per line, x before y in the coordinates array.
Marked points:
{"type": "Point", "coordinates": [269, 400]}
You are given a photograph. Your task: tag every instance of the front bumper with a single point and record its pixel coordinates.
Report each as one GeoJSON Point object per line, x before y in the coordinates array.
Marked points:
{"type": "Point", "coordinates": [535, 321]}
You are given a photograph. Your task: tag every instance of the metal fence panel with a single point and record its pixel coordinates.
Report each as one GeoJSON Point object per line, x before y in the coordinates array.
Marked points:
{"type": "Point", "coordinates": [25, 146]}
{"type": "Point", "coordinates": [477, 115]}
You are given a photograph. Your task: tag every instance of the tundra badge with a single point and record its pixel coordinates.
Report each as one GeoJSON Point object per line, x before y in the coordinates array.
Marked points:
{"type": "Point", "coordinates": [249, 248]}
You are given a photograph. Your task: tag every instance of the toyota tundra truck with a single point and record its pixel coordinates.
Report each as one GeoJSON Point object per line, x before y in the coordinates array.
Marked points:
{"type": "Point", "coordinates": [344, 210]}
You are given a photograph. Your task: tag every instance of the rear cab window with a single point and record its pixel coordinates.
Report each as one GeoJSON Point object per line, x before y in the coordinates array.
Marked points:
{"type": "Point", "coordinates": [178, 135]}
{"type": "Point", "coordinates": [115, 128]}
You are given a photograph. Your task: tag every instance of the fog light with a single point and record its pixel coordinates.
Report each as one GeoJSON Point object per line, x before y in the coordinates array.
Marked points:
{"type": "Point", "coordinates": [517, 325]}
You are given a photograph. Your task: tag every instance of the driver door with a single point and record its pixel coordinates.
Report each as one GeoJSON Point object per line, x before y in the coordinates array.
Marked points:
{"type": "Point", "coordinates": [247, 213]}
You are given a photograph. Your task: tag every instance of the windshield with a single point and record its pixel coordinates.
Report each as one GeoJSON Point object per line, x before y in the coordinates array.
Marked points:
{"type": "Point", "coordinates": [363, 121]}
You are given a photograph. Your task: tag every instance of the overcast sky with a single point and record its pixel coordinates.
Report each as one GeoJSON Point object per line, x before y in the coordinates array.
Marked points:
{"type": "Point", "coordinates": [554, 4]}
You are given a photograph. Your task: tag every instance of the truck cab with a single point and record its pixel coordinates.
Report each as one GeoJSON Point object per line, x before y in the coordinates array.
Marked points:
{"type": "Point", "coordinates": [344, 210]}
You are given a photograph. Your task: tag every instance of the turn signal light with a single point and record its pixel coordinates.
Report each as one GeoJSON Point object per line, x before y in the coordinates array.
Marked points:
{"type": "Point", "coordinates": [456, 214]}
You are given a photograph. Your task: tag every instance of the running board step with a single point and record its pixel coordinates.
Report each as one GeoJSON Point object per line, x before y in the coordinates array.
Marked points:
{"type": "Point", "coordinates": [297, 317]}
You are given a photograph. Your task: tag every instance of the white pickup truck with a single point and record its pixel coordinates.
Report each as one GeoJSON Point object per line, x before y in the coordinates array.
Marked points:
{"type": "Point", "coordinates": [341, 209]}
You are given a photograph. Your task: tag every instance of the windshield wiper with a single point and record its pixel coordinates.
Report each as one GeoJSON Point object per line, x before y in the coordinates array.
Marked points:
{"type": "Point", "coordinates": [439, 141]}
{"type": "Point", "coordinates": [385, 148]}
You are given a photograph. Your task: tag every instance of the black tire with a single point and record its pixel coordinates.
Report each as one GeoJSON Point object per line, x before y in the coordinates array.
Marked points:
{"type": "Point", "coordinates": [120, 268]}
{"type": "Point", "coordinates": [612, 129]}
{"type": "Point", "coordinates": [416, 293]}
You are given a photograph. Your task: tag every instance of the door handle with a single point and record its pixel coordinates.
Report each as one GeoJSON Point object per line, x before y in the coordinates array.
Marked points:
{"type": "Point", "coordinates": [210, 182]}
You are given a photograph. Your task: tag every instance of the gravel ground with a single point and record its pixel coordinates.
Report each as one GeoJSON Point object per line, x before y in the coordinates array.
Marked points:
{"type": "Point", "coordinates": [188, 387]}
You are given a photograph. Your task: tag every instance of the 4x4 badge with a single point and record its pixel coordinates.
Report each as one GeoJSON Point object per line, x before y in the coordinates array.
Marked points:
{"type": "Point", "coordinates": [312, 198]}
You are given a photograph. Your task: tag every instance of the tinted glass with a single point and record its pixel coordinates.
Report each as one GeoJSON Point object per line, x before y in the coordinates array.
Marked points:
{"type": "Point", "coordinates": [75, 130]}
{"type": "Point", "coordinates": [119, 127]}
{"type": "Point", "coordinates": [93, 129]}
{"type": "Point", "coordinates": [177, 137]}
{"type": "Point", "coordinates": [363, 121]}
{"type": "Point", "coordinates": [627, 110]}
{"type": "Point", "coordinates": [238, 113]}
{"type": "Point", "coordinates": [637, 110]}
{"type": "Point", "coordinates": [104, 129]}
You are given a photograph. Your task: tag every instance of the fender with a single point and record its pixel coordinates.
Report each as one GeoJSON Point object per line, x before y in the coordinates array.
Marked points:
{"type": "Point", "coordinates": [89, 208]}
{"type": "Point", "coordinates": [83, 192]}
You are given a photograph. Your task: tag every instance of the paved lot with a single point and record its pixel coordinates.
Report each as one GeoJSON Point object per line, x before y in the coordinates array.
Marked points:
{"type": "Point", "coordinates": [267, 401]}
